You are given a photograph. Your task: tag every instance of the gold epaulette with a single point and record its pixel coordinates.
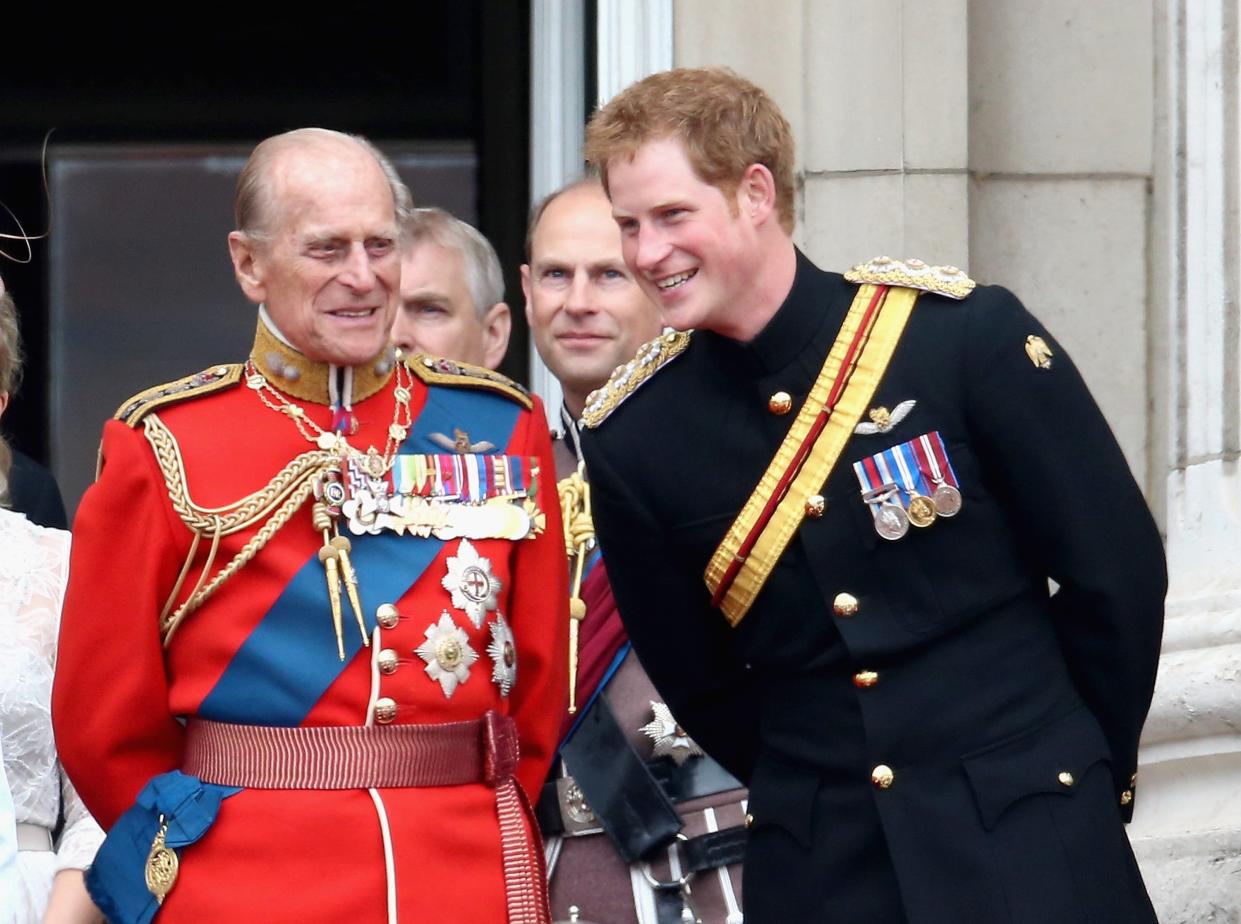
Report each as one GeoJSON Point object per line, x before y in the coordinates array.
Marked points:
{"type": "Point", "coordinates": [626, 379]}
{"type": "Point", "coordinates": [202, 383]}
{"type": "Point", "coordinates": [913, 274]}
{"type": "Point", "coordinates": [435, 370]}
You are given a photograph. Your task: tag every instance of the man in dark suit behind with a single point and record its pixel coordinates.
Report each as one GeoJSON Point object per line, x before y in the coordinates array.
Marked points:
{"type": "Point", "coordinates": [832, 513]}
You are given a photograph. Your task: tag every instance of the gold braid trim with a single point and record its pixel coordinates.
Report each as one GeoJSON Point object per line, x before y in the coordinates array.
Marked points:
{"type": "Point", "coordinates": [276, 502]}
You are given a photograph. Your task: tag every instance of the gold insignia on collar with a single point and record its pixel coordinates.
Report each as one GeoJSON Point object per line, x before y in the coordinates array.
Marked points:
{"type": "Point", "coordinates": [625, 380]}
{"type": "Point", "coordinates": [1039, 352]}
{"type": "Point", "coordinates": [882, 420]}
{"type": "Point", "coordinates": [913, 274]}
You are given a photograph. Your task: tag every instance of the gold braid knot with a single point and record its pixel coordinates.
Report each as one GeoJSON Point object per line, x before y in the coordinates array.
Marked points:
{"type": "Point", "coordinates": [276, 502]}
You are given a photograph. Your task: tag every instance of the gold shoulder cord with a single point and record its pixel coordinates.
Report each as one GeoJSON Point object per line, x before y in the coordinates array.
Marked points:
{"type": "Point", "coordinates": [579, 539]}
{"type": "Point", "coordinates": [275, 503]}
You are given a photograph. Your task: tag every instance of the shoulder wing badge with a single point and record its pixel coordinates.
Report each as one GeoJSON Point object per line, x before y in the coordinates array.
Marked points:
{"type": "Point", "coordinates": [626, 379]}
{"type": "Point", "coordinates": [913, 274]}
{"type": "Point", "coordinates": [202, 383]}
{"type": "Point", "coordinates": [435, 370]}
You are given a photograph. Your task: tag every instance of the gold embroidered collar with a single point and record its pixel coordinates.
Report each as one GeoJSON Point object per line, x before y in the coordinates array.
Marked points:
{"type": "Point", "coordinates": [309, 380]}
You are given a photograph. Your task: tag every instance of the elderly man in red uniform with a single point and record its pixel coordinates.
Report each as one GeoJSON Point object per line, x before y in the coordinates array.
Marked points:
{"type": "Point", "coordinates": [304, 639]}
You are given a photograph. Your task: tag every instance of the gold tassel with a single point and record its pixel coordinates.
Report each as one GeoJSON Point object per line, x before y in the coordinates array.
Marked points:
{"type": "Point", "coordinates": [343, 547]}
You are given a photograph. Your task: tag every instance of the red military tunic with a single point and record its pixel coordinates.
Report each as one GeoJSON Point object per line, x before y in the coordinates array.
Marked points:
{"type": "Point", "coordinates": [262, 651]}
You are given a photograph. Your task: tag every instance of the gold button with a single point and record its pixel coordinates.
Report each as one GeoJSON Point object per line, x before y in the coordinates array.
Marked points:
{"type": "Point", "coordinates": [1126, 797]}
{"type": "Point", "coordinates": [385, 710]}
{"type": "Point", "coordinates": [845, 605]}
{"type": "Point", "coordinates": [864, 680]}
{"type": "Point", "coordinates": [780, 403]}
{"type": "Point", "coordinates": [749, 820]}
{"type": "Point", "coordinates": [387, 660]}
{"type": "Point", "coordinates": [882, 776]}
{"type": "Point", "coordinates": [387, 615]}
{"type": "Point", "coordinates": [1065, 778]}
{"type": "Point", "coordinates": [1133, 779]}
{"type": "Point", "coordinates": [815, 505]}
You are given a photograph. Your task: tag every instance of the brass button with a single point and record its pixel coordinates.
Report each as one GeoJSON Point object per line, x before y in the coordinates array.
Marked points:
{"type": "Point", "coordinates": [780, 403]}
{"type": "Point", "coordinates": [1133, 779]}
{"type": "Point", "coordinates": [815, 505]}
{"type": "Point", "coordinates": [386, 615]}
{"type": "Point", "coordinates": [1065, 778]}
{"type": "Point", "coordinates": [749, 820]}
{"type": "Point", "coordinates": [385, 710]}
{"type": "Point", "coordinates": [882, 776]}
{"type": "Point", "coordinates": [387, 660]}
{"type": "Point", "coordinates": [864, 680]}
{"type": "Point", "coordinates": [1126, 797]}
{"type": "Point", "coordinates": [845, 605]}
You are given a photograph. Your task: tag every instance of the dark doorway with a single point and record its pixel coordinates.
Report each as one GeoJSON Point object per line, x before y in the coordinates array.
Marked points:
{"type": "Point", "coordinates": [450, 77]}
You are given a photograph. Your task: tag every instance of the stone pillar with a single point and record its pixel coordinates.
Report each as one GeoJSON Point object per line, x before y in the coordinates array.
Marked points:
{"type": "Point", "coordinates": [1187, 832]}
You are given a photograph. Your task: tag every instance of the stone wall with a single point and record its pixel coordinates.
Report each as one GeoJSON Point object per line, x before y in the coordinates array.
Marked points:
{"type": "Point", "coordinates": [1086, 156]}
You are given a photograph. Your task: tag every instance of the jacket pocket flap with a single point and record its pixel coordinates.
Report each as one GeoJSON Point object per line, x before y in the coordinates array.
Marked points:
{"type": "Point", "coordinates": [784, 796]}
{"type": "Point", "coordinates": [1052, 758]}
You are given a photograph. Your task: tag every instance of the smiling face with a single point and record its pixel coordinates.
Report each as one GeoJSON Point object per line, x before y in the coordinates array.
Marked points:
{"type": "Point", "coordinates": [586, 312]}
{"type": "Point", "coordinates": [328, 269]}
{"type": "Point", "coordinates": [437, 313]}
{"type": "Point", "coordinates": [691, 247]}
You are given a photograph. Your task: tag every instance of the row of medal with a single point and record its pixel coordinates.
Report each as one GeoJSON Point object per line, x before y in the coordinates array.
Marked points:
{"type": "Point", "coordinates": [913, 483]}
{"type": "Point", "coordinates": [448, 496]}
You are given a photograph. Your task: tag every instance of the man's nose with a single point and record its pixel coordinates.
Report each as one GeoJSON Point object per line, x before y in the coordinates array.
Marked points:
{"type": "Point", "coordinates": [358, 273]}
{"type": "Point", "coordinates": [650, 249]}
{"type": "Point", "coordinates": [578, 298]}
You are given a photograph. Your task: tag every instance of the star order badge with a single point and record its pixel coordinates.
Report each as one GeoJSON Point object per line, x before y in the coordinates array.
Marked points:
{"type": "Point", "coordinates": [448, 654]}
{"type": "Point", "coordinates": [503, 653]}
{"type": "Point", "coordinates": [473, 586]}
{"type": "Point", "coordinates": [670, 739]}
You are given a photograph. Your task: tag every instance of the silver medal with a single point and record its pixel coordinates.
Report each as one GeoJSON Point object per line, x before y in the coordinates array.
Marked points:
{"type": "Point", "coordinates": [947, 500]}
{"type": "Point", "coordinates": [891, 521]}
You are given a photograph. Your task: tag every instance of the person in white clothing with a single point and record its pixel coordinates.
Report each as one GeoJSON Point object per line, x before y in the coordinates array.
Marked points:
{"type": "Point", "coordinates": [46, 879]}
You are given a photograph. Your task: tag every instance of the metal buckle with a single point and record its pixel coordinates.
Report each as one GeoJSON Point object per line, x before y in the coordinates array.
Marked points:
{"type": "Point", "coordinates": [576, 815]}
{"type": "Point", "coordinates": [689, 914]}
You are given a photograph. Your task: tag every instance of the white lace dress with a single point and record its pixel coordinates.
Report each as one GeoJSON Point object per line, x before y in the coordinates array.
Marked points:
{"type": "Point", "coordinates": [34, 564]}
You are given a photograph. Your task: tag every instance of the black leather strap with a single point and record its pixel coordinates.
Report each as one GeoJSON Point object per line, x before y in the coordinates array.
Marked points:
{"type": "Point", "coordinates": [697, 777]}
{"type": "Point", "coordinates": [627, 800]}
{"type": "Point", "coordinates": [711, 851]}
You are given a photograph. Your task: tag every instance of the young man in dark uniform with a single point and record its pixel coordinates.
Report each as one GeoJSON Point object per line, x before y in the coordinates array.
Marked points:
{"type": "Point", "coordinates": [831, 521]}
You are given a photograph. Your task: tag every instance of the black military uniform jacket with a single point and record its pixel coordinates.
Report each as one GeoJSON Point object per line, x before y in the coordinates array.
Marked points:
{"type": "Point", "coordinates": [1009, 715]}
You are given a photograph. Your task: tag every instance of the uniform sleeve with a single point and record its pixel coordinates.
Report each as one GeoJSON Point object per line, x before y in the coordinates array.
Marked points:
{"type": "Point", "coordinates": [110, 695]}
{"type": "Point", "coordinates": [684, 643]}
{"type": "Point", "coordinates": [540, 617]}
{"type": "Point", "coordinates": [1080, 513]}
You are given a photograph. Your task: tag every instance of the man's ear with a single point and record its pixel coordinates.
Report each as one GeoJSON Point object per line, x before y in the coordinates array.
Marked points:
{"type": "Point", "coordinates": [525, 290]}
{"type": "Point", "coordinates": [756, 194]}
{"type": "Point", "coordinates": [497, 325]}
{"type": "Point", "coordinates": [247, 266]}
